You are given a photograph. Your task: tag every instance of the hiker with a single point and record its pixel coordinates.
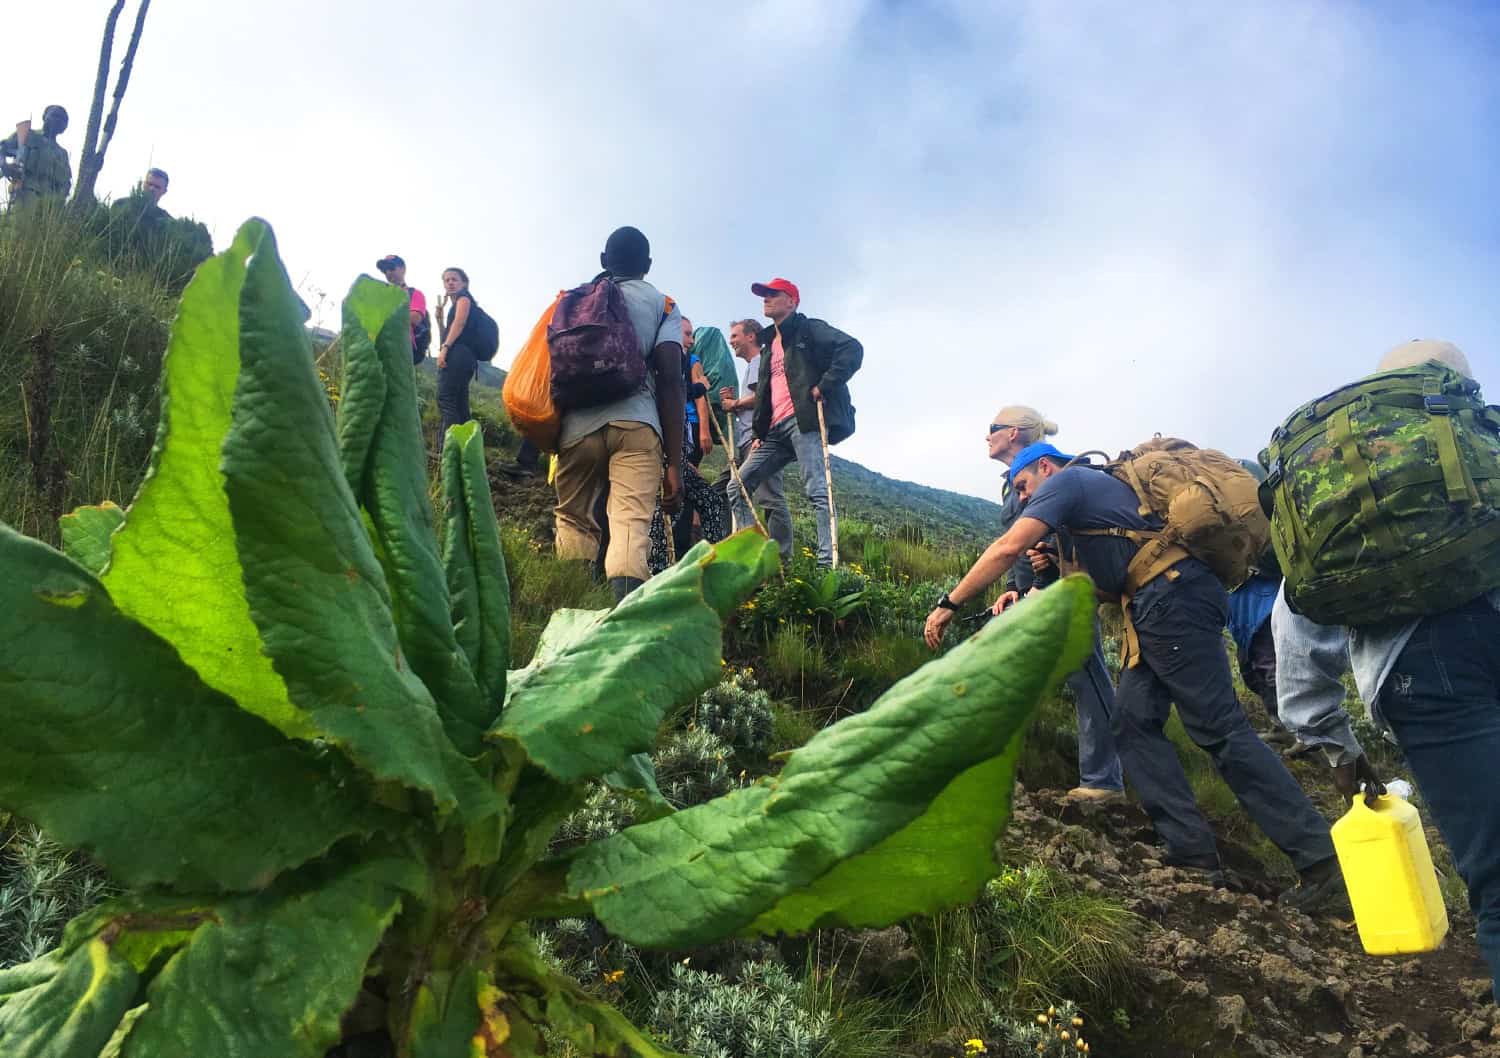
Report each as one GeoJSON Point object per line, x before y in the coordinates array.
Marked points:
{"type": "Point", "coordinates": [393, 267]}
{"type": "Point", "coordinates": [458, 358]}
{"type": "Point", "coordinates": [704, 514]}
{"type": "Point", "coordinates": [1099, 777]}
{"type": "Point", "coordinates": [632, 444]}
{"type": "Point", "coordinates": [1434, 680]}
{"type": "Point", "coordinates": [720, 370]}
{"type": "Point", "coordinates": [36, 165]}
{"type": "Point", "coordinates": [744, 339]}
{"type": "Point", "coordinates": [804, 363]}
{"type": "Point", "coordinates": [1177, 654]}
{"type": "Point", "coordinates": [700, 440]}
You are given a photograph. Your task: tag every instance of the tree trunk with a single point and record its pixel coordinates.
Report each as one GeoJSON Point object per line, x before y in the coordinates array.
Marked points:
{"type": "Point", "coordinates": [88, 169]}
{"type": "Point", "coordinates": [124, 79]}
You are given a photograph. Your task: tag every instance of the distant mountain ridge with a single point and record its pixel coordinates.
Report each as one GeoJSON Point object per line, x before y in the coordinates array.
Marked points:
{"type": "Point", "coordinates": [942, 517]}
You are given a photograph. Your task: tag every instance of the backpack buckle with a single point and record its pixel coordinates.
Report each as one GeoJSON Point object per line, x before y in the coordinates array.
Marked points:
{"type": "Point", "coordinates": [1437, 405]}
{"type": "Point", "coordinates": [1273, 478]}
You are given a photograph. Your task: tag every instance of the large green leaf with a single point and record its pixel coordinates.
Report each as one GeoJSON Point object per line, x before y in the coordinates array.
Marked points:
{"type": "Point", "coordinates": [74, 1012]}
{"type": "Point", "coordinates": [475, 562]}
{"type": "Point", "coordinates": [315, 589]}
{"type": "Point", "coordinates": [174, 565]}
{"type": "Point", "coordinates": [112, 743]}
{"type": "Point", "coordinates": [587, 707]}
{"type": "Point", "coordinates": [851, 829]}
{"type": "Point", "coordinates": [86, 533]}
{"type": "Point", "coordinates": [272, 974]}
{"type": "Point", "coordinates": [385, 464]}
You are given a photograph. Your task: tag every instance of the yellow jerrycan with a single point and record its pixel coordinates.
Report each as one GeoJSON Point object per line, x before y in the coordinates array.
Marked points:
{"type": "Point", "coordinates": [1392, 884]}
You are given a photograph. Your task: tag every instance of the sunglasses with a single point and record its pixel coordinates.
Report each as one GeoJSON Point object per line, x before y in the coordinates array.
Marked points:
{"type": "Point", "coordinates": [996, 427]}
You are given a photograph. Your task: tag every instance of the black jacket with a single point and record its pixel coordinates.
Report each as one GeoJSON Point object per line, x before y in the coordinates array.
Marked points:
{"type": "Point", "coordinates": [816, 355]}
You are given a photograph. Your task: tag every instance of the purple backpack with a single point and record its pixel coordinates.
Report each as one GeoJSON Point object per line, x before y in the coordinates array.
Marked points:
{"type": "Point", "coordinates": [596, 354]}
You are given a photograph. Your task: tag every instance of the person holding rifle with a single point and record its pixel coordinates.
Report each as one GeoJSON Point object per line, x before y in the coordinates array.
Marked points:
{"type": "Point", "coordinates": [36, 165]}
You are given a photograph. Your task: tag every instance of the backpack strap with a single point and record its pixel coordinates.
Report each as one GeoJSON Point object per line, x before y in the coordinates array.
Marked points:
{"type": "Point", "coordinates": [1460, 488]}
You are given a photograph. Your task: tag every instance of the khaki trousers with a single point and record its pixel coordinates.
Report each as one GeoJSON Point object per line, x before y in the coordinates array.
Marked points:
{"type": "Point", "coordinates": [625, 456]}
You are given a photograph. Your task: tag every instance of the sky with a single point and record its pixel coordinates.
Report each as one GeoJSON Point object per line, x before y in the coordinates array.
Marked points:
{"type": "Point", "coordinates": [1144, 217]}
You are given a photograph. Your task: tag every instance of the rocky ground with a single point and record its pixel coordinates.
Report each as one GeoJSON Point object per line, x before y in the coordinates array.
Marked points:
{"type": "Point", "coordinates": [1226, 971]}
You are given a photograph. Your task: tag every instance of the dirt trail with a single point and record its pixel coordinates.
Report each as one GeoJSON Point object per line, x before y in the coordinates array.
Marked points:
{"type": "Point", "coordinates": [1228, 972]}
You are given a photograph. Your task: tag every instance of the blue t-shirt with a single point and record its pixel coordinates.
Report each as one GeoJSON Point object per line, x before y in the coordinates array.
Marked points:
{"type": "Point", "coordinates": [1087, 498]}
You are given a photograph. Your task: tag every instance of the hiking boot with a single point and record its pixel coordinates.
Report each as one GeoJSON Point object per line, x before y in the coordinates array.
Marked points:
{"type": "Point", "coordinates": [518, 471]}
{"type": "Point", "coordinates": [1208, 862]}
{"type": "Point", "coordinates": [1095, 795]}
{"type": "Point", "coordinates": [1321, 889]}
{"type": "Point", "coordinates": [623, 586]}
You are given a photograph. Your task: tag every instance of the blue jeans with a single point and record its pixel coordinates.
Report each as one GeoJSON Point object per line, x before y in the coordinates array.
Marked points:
{"type": "Point", "coordinates": [1311, 660]}
{"type": "Point", "coordinates": [1442, 700]}
{"type": "Point", "coordinates": [1180, 627]}
{"type": "Point", "coordinates": [1098, 763]}
{"type": "Point", "coordinates": [783, 444]}
{"type": "Point", "coordinates": [772, 499]}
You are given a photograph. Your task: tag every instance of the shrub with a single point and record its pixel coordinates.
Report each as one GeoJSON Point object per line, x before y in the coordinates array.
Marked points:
{"type": "Point", "coordinates": [738, 711]}
{"type": "Point", "coordinates": [42, 886]}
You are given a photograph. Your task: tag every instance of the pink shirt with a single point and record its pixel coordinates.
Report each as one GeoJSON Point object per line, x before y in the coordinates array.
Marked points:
{"type": "Point", "coordinates": [781, 396]}
{"type": "Point", "coordinates": [418, 304]}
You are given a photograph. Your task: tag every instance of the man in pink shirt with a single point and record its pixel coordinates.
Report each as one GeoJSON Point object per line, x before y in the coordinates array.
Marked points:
{"type": "Point", "coordinates": [804, 363]}
{"type": "Point", "coordinates": [393, 267]}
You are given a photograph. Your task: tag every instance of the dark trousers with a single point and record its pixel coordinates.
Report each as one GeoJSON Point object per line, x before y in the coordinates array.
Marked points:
{"type": "Point", "coordinates": [1442, 700]}
{"type": "Point", "coordinates": [1258, 667]}
{"type": "Point", "coordinates": [453, 382]}
{"type": "Point", "coordinates": [529, 455]}
{"type": "Point", "coordinates": [1183, 660]}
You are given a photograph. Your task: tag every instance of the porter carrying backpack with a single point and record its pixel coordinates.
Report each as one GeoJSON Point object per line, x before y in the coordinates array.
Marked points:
{"type": "Point", "coordinates": [1208, 504]}
{"type": "Point", "coordinates": [596, 354]}
{"type": "Point", "coordinates": [1386, 497]}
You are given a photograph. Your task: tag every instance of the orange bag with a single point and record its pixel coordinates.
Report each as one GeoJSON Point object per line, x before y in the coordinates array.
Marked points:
{"type": "Point", "coordinates": [528, 388]}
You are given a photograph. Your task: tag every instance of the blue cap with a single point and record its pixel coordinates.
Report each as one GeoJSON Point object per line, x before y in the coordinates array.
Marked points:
{"type": "Point", "coordinates": [1031, 453]}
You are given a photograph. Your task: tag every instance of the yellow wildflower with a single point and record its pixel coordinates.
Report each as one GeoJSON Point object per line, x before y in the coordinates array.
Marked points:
{"type": "Point", "coordinates": [613, 977]}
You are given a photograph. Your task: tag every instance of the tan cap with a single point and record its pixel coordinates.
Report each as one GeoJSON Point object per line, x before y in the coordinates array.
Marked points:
{"type": "Point", "coordinates": [1027, 420]}
{"type": "Point", "coordinates": [1421, 350]}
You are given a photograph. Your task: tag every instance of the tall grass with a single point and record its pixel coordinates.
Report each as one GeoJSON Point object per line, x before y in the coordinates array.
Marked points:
{"type": "Point", "coordinates": [81, 337]}
{"type": "Point", "coordinates": [1031, 939]}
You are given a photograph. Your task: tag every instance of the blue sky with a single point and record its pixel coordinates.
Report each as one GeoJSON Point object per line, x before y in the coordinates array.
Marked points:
{"type": "Point", "coordinates": [1137, 217]}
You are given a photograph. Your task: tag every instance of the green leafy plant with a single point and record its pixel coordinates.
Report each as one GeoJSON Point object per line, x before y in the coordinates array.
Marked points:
{"type": "Point", "coordinates": [268, 701]}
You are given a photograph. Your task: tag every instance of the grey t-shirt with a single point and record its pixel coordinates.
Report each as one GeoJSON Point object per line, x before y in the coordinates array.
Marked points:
{"type": "Point", "coordinates": [654, 324]}
{"type": "Point", "coordinates": [744, 421]}
{"type": "Point", "coordinates": [1084, 498]}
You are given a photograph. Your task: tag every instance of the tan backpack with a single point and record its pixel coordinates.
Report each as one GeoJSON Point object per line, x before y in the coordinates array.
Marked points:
{"type": "Point", "coordinates": [1209, 506]}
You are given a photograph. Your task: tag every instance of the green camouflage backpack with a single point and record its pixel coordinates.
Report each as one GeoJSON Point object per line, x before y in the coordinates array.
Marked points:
{"type": "Point", "coordinates": [1387, 497]}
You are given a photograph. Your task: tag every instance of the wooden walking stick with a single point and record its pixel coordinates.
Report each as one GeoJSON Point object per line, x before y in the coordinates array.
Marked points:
{"type": "Point", "coordinates": [734, 470]}
{"type": "Point", "coordinates": [833, 517]}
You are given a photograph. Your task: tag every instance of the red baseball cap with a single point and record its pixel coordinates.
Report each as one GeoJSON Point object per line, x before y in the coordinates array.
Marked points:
{"type": "Point", "coordinates": [776, 286]}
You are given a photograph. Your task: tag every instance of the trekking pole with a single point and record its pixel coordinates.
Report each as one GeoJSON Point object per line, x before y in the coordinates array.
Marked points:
{"type": "Point", "coordinates": [833, 518]}
{"type": "Point", "coordinates": [734, 470]}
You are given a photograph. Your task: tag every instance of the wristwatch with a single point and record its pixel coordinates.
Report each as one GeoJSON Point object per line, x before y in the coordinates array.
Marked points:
{"type": "Point", "coordinates": [947, 603]}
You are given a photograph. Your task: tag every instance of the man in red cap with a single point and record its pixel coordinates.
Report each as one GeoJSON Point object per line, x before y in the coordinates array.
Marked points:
{"type": "Point", "coordinates": [804, 363]}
